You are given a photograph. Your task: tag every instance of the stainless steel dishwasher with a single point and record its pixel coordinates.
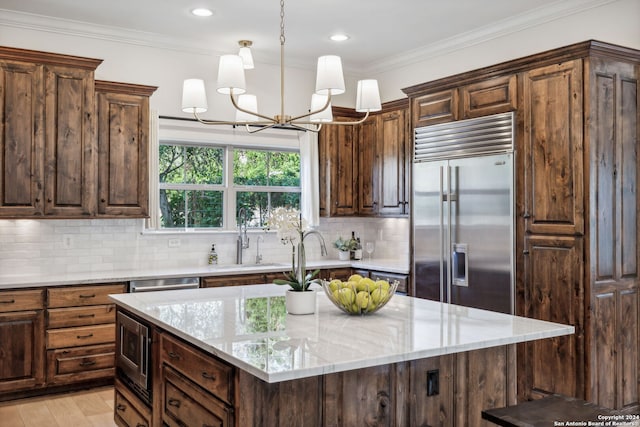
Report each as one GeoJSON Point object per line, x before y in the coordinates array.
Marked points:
{"type": "Point", "coordinates": [164, 284]}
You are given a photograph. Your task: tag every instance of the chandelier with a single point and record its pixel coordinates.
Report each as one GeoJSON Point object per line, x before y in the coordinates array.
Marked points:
{"type": "Point", "coordinates": [231, 81]}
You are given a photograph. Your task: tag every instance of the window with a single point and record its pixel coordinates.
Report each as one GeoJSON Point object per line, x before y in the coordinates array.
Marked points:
{"type": "Point", "coordinates": [202, 186]}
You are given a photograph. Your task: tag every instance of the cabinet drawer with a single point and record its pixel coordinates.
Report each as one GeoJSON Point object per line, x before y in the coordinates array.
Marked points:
{"type": "Point", "coordinates": [185, 405]}
{"type": "Point", "coordinates": [81, 316]}
{"type": "Point", "coordinates": [403, 279]}
{"type": "Point", "coordinates": [81, 335]}
{"type": "Point", "coordinates": [21, 300]}
{"type": "Point", "coordinates": [80, 363]}
{"type": "Point", "coordinates": [213, 376]}
{"type": "Point", "coordinates": [129, 411]}
{"type": "Point", "coordinates": [82, 295]}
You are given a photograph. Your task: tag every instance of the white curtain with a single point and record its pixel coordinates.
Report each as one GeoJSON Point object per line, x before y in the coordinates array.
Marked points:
{"type": "Point", "coordinates": [309, 180]}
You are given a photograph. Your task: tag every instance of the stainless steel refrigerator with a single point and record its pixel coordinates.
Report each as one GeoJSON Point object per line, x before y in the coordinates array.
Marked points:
{"type": "Point", "coordinates": [462, 213]}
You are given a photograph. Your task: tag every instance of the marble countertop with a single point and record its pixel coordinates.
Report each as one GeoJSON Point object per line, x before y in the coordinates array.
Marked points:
{"type": "Point", "coordinates": [248, 327]}
{"type": "Point", "coordinates": [8, 281]}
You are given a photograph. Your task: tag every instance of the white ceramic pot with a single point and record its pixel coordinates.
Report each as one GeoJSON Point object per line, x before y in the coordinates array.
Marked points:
{"type": "Point", "coordinates": [300, 302]}
{"type": "Point", "coordinates": [343, 255]}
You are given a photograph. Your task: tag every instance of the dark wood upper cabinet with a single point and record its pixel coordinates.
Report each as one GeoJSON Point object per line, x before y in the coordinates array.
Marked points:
{"type": "Point", "coordinates": [492, 96]}
{"type": "Point", "coordinates": [393, 162]}
{"type": "Point", "coordinates": [67, 151]}
{"type": "Point", "coordinates": [365, 168]}
{"type": "Point", "coordinates": [368, 167]}
{"type": "Point", "coordinates": [22, 138]}
{"type": "Point", "coordinates": [123, 149]}
{"type": "Point", "coordinates": [552, 142]}
{"type": "Point", "coordinates": [70, 142]}
{"type": "Point", "coordinates": [435, 107]}
{"type": "Point", "coordinates": [338, 156]}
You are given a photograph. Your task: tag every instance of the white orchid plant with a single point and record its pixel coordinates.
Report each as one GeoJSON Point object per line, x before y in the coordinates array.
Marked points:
{"type": "Point", "coordinates": [291, 229]}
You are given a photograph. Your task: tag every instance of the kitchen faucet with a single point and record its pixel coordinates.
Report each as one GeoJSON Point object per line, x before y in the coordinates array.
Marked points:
{"type": "Point", "coordinates": [242, 241]}
{"type": "Point", "coordinates": [323, 246]}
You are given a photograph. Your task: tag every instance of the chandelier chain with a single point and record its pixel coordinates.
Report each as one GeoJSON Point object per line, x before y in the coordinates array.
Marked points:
{"type": "Point", "coordinates": [281, 22]}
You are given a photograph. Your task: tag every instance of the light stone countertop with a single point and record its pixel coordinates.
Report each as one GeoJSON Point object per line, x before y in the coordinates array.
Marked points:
{"type": "Point", "coordinates": [9, 281]}
{"type": "Point", "coordinates": [248, 327]}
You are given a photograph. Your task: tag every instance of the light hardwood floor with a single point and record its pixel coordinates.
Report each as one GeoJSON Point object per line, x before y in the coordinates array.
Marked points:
{"type": "Point", "coordinates": [91, 408]}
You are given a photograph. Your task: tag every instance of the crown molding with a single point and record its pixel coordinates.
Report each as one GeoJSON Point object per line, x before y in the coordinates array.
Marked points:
{"type": "Point", "coordinates": [68, 27]}
{"type": "Point", "coordinates": [513, 24]}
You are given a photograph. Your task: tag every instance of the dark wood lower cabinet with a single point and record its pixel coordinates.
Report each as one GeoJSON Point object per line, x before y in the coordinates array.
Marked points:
{"type": "Point", "coordinates": [21, 344]}
{"type": "Point", "coordinates": [129, 410]}
{"type": "Point", "coordinates": [194, 388]}
{"type": "Point", "coordinates": [185, 404]}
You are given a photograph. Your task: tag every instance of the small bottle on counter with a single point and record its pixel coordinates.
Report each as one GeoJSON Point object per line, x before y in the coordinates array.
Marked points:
{"type": "Point", "coordinates": [213, 255]}
{"type": "Point", "coordinates": [357, 253]}
{"type": "Point", "coordinates": [352, 245]}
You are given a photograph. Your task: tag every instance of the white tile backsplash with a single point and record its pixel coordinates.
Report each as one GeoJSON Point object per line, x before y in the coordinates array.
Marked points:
{"type": "Point", "coordinates": [67, 246]}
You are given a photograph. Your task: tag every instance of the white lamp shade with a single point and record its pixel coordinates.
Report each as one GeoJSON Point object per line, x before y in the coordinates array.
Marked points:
{"type": "Point", "coordinates": [317, 102]}
{"type": "Point", "coordinates": [247, 58]}
{"type": "Point", "coordinates": [231, 75]}
{"type": "Point", "coordinates": [368, 96]}
{"type": "Point", "coordinates": [329, 78]}
{"type": "Point", "coordinates": [194, 96]}
{"type": "Point", "coordinates": [248, 102]}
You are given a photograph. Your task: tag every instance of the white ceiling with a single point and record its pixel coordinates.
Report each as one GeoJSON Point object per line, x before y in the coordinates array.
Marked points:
{"type": "Point", "coordinates": [383, 33]}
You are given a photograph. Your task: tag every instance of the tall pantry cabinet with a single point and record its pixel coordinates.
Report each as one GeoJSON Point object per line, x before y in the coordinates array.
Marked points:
{"type": "Point", "coordinates": [577, 134]}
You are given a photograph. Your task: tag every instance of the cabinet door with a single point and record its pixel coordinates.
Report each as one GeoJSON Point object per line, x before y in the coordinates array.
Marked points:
{"type": "Point", "coordinates": [70, 152]}
{"type": "Point", "coordinates": [123, 159]}
{"type": "Point", "coordinates": [21, 139]}
{"type": "Point", "coordinates": [392, 163]}
{"type": "Point", "coordinates": [554, 291]}
{"type": "Point", "coordinates": [338, 170]}
{"type": "Point", "coordinates": [497, 95]}
{"type": "Point", "coordinates": [368, 168]}
{"type": "Point", "coordinates": [435, 108]}
{"type": "Point", "coordinates": [553, 154]}
{"type": "Point", "coordinates": [613, 206]}
{"type": "Point", "coordinates": [21, 350]}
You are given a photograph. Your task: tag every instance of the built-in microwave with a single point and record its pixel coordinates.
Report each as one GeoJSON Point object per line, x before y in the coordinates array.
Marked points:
{"type": "Point", "coordinates": [133, 356]}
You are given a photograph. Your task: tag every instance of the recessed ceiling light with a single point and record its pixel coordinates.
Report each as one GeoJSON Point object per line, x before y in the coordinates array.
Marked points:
{"type": "Point", "coordinates": [201, 12]}
{"type": "Point", "coordinates": [339, 37]}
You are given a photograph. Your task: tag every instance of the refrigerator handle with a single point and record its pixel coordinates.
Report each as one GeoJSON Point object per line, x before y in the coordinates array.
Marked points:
{"type": "Point", "coordinates": [449, 236]}
{"type": "Point", "coordinates": [460, 264]}
{"type": "Point", "coordinates": [442, 243]}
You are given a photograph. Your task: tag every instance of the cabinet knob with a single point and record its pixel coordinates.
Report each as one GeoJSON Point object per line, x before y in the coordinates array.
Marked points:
{"type": "Point", "coordinates": [49, 200]}
{"type": "Point", "coordinates": [173, 355]}
{"type": "Point", "coordinates": [37, 199]}
{"type": "Point", "coordinates": [525, 252]}
{"type": "Point", "coordinates": [121, 407]}
{"type": "Point", "coordinates": [174, 402]}
{"type": "Point", "coordinates": [88, 363]}
{"type": "Point", "coordinates": [11, 301]}
{"type": "Point", "coordinates": [103, 201]}
{"type": "Point", "coordinates": [526, 215]}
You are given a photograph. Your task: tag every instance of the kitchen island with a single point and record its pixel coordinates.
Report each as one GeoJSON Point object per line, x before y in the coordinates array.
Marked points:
{"type": "Point", "coordinates": [415, 362]}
